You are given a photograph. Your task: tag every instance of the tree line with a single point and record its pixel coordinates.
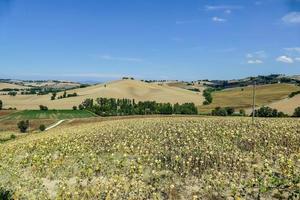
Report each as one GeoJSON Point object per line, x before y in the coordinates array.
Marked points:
{"type": "Point", "coordinates": [114, 107]}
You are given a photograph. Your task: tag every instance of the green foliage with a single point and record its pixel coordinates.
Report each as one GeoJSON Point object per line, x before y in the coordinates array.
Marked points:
{"type": "Point", "coordinates": [218, 111]}
{"type": "Point", "coordinates": [44, 108]}
{"type": "Point", "coordinates": [42, 127]}
{"type": "Point", "coordinates": [242, 112]}
{"type": "Point", "coordinates": [113, 107]}
{"type": "Point", "coordinates": [294, 94]}
{"type": "Point", "coordinates": [207, 95]}
{"type": "Point", "coordinates": [1, 104]}
{"type": "Point", "coordinates": [5, 194]}
{"type": "Point", "coordinates": [53, 96]}
{"type": "Point", "coordinates": [266, 111]}
{"type": "Point", "coordinates": [74, 107]}
{"type": "Point", "coordinates": [297, 112]}
{"type": "Point", "coordinates": [12, 93]}
{"type": "Point", "coordinates": [23, 126]}
{"type": "Point", "coordinates": [49, 114]}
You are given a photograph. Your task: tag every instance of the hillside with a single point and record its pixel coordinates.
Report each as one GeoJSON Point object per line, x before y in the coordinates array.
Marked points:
{"type": "Point", "coordinates": [130, 89]}
{"type": "Point", "coordinates": [241, 97]}
{"type": "Point", "coordinates": [11, 86]}
{"type": "Point", "coordinates": [287, 105]}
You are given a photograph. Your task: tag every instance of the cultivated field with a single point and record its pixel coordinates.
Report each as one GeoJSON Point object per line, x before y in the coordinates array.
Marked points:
{"type": "Point", "coordinates": [288, 105]}
{"type": "Point", "coordinates": [11, 86]}
{"type": "Point", "coordinates": [49, 114]}
{"type": "Point", "coordinates": [130, 89]}
{"type": "Point", "coordinates": [161, 158]}
{"type": "Point", "coordinates": [242, 97]}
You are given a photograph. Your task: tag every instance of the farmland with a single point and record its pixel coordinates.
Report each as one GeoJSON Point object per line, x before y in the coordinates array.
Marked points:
{"type": "Point", "coordinates": [157, 158]}
{"type": "Point", "coordinates": [241, 97]}
{"type": "Point", "coordinates": [49, 114]}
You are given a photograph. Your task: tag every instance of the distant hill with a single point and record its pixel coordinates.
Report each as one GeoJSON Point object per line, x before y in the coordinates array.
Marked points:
{"type": "Point", "coordinates": [241, 97]}
{"type": "Point", "coordinates": [131, 89]}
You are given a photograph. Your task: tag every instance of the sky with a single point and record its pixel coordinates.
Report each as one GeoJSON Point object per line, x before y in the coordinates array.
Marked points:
{"type": "Point", "coordinates": [148, 39]}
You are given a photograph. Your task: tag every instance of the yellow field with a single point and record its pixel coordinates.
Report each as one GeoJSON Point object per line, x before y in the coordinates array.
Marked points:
{"type": "Point", "coordinates": [11, 86]}
{"type": "Point", "coordinates": [237, 98]}
{"type": "Point", "coordinates": [130, 89]}
{"type": "Point", "coordinates": [287, 105]}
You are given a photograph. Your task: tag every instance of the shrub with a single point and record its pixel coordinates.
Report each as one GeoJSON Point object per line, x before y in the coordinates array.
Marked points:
{"type": "Point", "coordinates": [1, 104]}
{"type": "Point", "coordinates": [12, 136]}
{"type": "Point", "coordinates": [42, 127]}
{"type": "Point", "coordinates": [268, 112]}
{"type": "Point", "coordinates": [74, 107]}
{"type": "Point", "coordinates": [5, 194]}
{"type": "Point", "coordinates": [218, 111]}
{"type": "Point", "coordinates": [242, 112]}
{"type": "Point", "coordinates": [23, 126]}
{"type": "Point", "coordinates": [294, 94]}
{"type": "Point", "coordinates": [297, 112]}
{"type": "Point", "coordinates": [229, 110]}
{"type": "Point", "coordinates": [43, 107]}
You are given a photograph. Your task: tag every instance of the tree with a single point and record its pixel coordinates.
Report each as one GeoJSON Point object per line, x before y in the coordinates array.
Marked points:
{"type": "Point", "coordinates": [297, 112]}
{"type": "Point", "coordinates": [43, 107]}
{"type": "Point", "coordinates": [53, 96]}
{"type": "Point", "coordinates": [23, 126]}
{"type": "Point", "coordinates": [218, 111]}
{"type": "Point", "coordinates": [1, 104]}
{"type": "Point", "coordinates": [74, 107]}
{"type": "Point", "coordinates": [65, 94]}
{"type": "Point", "coordinates": [242, 112]}
{"type": "Point", "coordinates": [42, 127]}
{"type": "Point", "coordinates": [229, 110]}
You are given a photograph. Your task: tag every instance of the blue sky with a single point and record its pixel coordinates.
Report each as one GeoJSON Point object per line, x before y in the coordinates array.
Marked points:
{"type": "Point", "coordinates": [148, 39]}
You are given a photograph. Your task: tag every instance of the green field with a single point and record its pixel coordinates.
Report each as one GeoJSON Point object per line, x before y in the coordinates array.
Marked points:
{"type": "Point", "coordinates": [49, 114]}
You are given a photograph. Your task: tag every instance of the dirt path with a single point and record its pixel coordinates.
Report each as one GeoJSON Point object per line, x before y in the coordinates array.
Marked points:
{"type": "Point", "coordinates": [55, 125]}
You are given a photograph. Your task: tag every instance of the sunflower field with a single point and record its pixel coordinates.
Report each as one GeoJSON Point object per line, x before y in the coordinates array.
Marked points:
{"type": "Point", "coordinates": [156, 158]}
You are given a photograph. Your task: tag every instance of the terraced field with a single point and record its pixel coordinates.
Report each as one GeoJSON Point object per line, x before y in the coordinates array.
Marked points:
{"type": "Point", "coordinates": [158, 158]}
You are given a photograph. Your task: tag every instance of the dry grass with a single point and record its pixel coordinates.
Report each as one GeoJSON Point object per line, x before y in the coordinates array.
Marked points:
{"type": "Point", "coordinates": [11, 125]}
{"type": "Point", "coordinates": [130, 89]}
{"type": "Point", "coordinates": [287, 105]}
{"type": "Point", "coordinates": [11, 86]}
{"type": "Point", "coordinates": [242, 97]}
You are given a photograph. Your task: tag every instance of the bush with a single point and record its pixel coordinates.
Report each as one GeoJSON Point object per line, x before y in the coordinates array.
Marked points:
{"type": "Point", "coordinates": [268, 112]}
{"type": "Point", "coordinates": [229, 110]}
{"type": "Point", "coordinates": [218, 111]}
{"type": "Point", "coordinates": [297, 112]}
{"type": "Point", "coordinates": [23, 126]}
{"type": "Point", "coordinates": [43, 107]}
{"type": "Point", "coordinates": [242, 112]}
{"type": "Point", "coordinates": [74, 107]}
{"type": "Point", "coordinates": [5, 194]}
{"type": "Point", "coordinates": [42, 127]}
{"type": "Point", "coordinates": [294, 94]}
{"type": "Point", "coordinates": [1, 104]}
{"type": "Point", "coordinates": [12, 136]}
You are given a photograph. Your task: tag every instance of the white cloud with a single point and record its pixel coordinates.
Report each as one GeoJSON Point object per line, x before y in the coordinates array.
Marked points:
{"type": "Point", "coordinates": [112, 58]}
{"type": "Point", "coordinates": [293, 49]}
{"type": "Point", "coordinates": [285, 59]}
{"type": "Point", "coordinates": [222, 7]}
{"type": "Point", "coordinates": [257, 54]}
{"type": "Point", "coordinates": [292, 18]}
{"type": "Point", "coordinates": [257, 61]}
{"type": "Point", "coordinates": [218, 19]}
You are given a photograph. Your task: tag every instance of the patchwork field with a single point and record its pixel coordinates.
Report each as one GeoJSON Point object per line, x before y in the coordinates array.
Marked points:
{"type": "Point", "coordinates": [11, 86]}
{"type": "Point", "coordinates": [161, 158]}
{"type": "Point", "coordinates": [130, 89]}
{"type": "Point", "coordinates": [242, 97]}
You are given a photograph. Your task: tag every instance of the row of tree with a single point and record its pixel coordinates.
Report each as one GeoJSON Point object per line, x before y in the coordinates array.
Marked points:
{"type": "Point", "coordinates": [65, 95]}
{"type": "Point", "coordinates": [113, 107]}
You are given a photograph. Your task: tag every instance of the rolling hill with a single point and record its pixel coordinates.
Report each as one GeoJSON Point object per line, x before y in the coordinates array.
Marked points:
{"type": "Point", "coordinates": [11, 86]}
{"type": "Point", "coordinates": [287, 105]}
{"type": "Point", "coordinates": [131, 89]}
{"type": "Point", "coordinates": [241, 97]}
